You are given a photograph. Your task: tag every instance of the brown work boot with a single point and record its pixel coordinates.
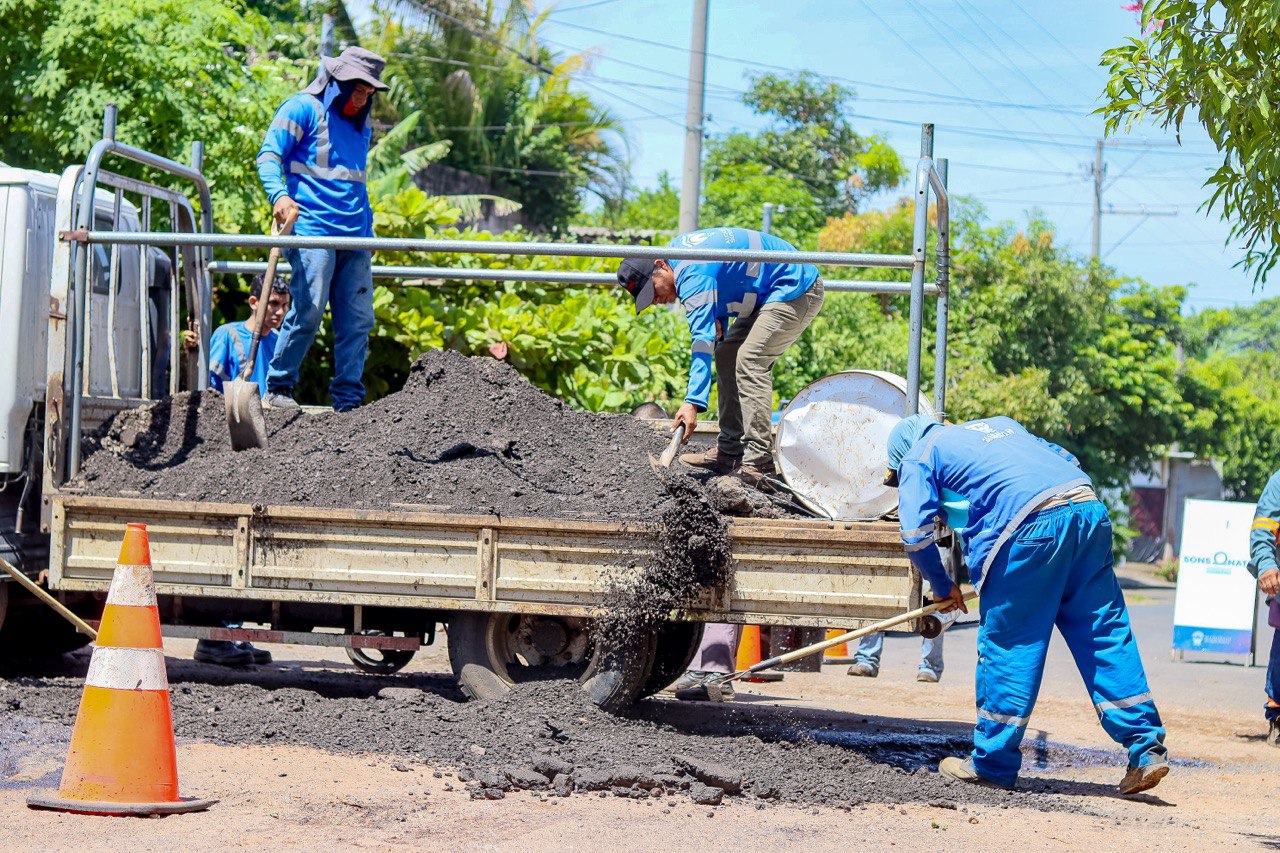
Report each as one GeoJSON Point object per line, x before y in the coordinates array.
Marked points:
{"type": "Point", "coordinates": [1139, 779]}
{"type": "Point", "coordinates": [711, 460]}
{"type": "Point", "coordinates": [962, 770]}
{"type": "Point", "coordinates": [755, 474]}
{"type": "Point", "coordinates": [1273, 735]}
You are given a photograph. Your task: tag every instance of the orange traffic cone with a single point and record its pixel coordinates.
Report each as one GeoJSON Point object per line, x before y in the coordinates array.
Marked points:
{"type": "Point", "coordinates": [837, 654]}
{"type": "Point", "coordinates": [122, 759]}
{"type": "Point", "coordinates": [749, 655]}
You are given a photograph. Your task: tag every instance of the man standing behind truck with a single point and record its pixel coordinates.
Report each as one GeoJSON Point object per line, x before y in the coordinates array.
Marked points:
{"type": "Point", "coordinates": [1263, 539]}
{"type": "Point", "coordinates": [1037, 543]}
{"type": "Point", "coordinates": [770, 305]}
{"type": "Point", "coordinates": [312, 164]}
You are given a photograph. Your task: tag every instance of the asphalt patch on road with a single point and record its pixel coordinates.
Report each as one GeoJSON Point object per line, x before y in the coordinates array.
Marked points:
{"type": "Point", "coordinates": [548, 737]}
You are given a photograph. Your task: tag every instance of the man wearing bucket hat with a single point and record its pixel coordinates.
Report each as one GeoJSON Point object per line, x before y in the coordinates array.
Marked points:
{"type": "Point", "coordinates": [770, 306]}
{"type": "Point", "coordinates": [1037, 543]}
{"type": "Point", "coordinates": [312, 165]}
{"type": "Point", "coordinates": [1263, 539]}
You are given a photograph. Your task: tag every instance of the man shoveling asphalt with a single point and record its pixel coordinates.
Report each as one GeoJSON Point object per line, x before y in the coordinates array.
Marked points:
{"type": "Point", "coordinates": [1038, 546]}
{"type": "Point", "coordinates": [770, 304]}
{"type": "Point", "coordinates": [312, 163]}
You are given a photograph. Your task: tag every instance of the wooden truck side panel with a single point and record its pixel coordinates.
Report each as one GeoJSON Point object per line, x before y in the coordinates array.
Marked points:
{"type": "Point", "coordinates": [804, 573]}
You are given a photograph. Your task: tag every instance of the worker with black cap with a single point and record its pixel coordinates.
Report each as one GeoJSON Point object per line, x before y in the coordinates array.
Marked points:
{"type": "Point", "coordinates": [312, 165]}
{"type": "Point", "coordinates": [770, 305]}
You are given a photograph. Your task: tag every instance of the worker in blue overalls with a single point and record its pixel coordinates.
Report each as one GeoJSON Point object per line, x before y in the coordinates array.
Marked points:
{"type": "Point", "coordinates": [1038, 545]}
{"type": "Point", "coordinates": [770, 306]}
{"type": "Point", "coordinates": [1263, 540]}
{"type": "Point", "coordinates": [312, 164]}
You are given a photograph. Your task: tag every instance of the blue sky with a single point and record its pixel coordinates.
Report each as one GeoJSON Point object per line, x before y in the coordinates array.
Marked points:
{"type": "Point", "coordinates": [1009, 85]}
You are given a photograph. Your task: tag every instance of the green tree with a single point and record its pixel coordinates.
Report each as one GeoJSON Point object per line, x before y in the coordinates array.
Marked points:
{"type": "Point", "coordinates": [170, 66]}
{"type": "Point", "coordinates": [508, 105]}
{"type": "Point", "coordinates": [1232, 377]}
{"type": "Point", "coordinates": [809, 161]}
{"type": "Point", "coordinates": [1216, 62]}
{"type": "Point", "coordinates": [809, 141]}
{"type": "Point", "coordinates": [1065, 346]}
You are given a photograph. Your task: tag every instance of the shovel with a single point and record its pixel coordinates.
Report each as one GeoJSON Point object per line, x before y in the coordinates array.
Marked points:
{"type": "Point", "coordinates": [245, 422]}
{"type": "Point", "coordinates": [664, 461]}
{"type": "Point", "coordinates": [714, 684]}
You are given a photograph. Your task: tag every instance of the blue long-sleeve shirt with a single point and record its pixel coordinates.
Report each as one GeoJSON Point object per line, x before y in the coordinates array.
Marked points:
{"type": "Point", "coordinates": [1264, 533]}
{"type": "Point", "coordinates": [229, 350]}
{"type": "Point", "coordinates": [1000, 468]}
{"type": "Point", "coordinates": [714, 292]}
{"type": "Point", "coordinates": [314, 155]}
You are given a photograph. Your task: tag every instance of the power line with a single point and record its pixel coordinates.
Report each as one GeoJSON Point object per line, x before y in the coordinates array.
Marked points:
{"type": "Point", "coordinates": [1048, 32]}
{"type": "Point", "coordinates": [582, 6]}
{"type": "Point", "coordinates": [1019, 45]}
{"type": "Point", "coordinates": [959, 99]}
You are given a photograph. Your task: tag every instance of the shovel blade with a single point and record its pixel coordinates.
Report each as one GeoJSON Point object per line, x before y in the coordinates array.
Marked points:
{"type": "Point", "coordinates": [245, 422]}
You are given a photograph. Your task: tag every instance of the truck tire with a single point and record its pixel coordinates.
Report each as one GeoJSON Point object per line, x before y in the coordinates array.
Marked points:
{"type": "Point", "coordinates": [379, 661]}
{"type": "Point", "coordinates": [31, 632]}
{"type": "Point", "coordinates": [677, 644]}
{"type": "Point", "coordinates": [490, 652]}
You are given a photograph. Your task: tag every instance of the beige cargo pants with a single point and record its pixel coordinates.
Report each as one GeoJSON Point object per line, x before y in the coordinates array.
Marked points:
{"type": "Point", "coordinates": [744, 373]}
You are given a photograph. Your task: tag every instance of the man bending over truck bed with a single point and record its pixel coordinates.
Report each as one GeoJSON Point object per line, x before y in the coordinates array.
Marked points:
{"type": "Point", "coordinates": [770, 305]}
{"type": "Point", "coordinates": [1038, 545]}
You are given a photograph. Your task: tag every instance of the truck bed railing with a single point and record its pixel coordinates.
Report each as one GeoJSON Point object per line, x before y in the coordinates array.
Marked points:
{"type": "Point", "coordinates": [929, 177]}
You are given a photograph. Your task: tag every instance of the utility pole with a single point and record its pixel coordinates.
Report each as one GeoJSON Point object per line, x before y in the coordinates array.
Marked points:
{"type": "Point", "coordinates": [1099, 173]}
{"type": "Point", "coordinates": [766, 215]}
{"type": "Point", "coordinates": [691, 185]}
{"type": "Point", "coordinates": [326, 35]}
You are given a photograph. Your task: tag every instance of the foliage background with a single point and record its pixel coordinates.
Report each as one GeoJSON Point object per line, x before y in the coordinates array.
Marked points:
{"type": "Point", "coordinates": [1110, 366]}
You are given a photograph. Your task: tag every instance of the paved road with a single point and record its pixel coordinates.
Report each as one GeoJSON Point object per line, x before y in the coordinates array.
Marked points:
{"type": "Point", "coordinates": [1212, 683]}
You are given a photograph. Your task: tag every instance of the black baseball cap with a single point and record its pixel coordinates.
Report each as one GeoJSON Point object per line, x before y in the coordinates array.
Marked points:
{"type": "Point", "coordinates": [636, 275]}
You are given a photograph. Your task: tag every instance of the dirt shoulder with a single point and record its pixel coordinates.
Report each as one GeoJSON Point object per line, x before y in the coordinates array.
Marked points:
{"type": "Point", "coordinates": [299, 797]}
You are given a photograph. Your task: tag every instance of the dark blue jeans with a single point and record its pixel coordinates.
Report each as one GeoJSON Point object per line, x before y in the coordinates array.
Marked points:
{"type": "Point", "coordinates": [342, 281]}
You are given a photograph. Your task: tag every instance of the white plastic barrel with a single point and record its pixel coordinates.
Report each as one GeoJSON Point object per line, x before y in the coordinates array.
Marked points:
{"type": "Point", "coordinates": [832, 440]}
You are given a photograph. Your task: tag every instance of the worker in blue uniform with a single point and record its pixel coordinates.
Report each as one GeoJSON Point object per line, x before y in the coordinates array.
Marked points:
{"type": "Point", "coordinates": [312, 166]}
{"type": "Point", "coordinates": [745, 314]}
{"type": "Point", "coordinates": [1263, 540]}
{"type": "Point", "coordinates": [1038, 546]}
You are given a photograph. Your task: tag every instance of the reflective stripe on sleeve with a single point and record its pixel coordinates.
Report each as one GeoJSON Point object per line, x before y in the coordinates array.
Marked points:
{"type": "Point", "coordinates": [132, 586]}
{"type": "Point", "coordinates": [912, 547]}
{"type": "Point", "coordinates": [697, 300]}
{"type": "Point", "coordinates": [1264, 523]}
{"type": "Point", "coordinates": [1004, 719]}
{"type": "Point", "coordinates": [269, 157]}
{"type": "Point", "coordinates": [127, 669]}
{"type": "Point", "coordinates": [703, 347]}
{"type": "Point", "coordinates": [1121, 704]}
{"type": "Point", "coordinates": [289, 126]}
{"type": "Point", "coordinates": [919, 531]}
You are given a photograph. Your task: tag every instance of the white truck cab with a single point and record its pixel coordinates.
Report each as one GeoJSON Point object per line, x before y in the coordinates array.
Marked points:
{"type": "Point", "coordinates": [28, 235]}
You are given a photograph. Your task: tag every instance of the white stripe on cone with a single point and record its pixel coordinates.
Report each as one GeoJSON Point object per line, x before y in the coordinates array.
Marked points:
{"type": "Point", "coordinates": [127, 669]}
{"type": "Point", "coordinates": [132, 586]}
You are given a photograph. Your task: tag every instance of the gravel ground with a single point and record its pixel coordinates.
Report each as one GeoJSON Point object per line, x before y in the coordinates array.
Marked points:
{"type": "Point", "coordinates": [548, 737]}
